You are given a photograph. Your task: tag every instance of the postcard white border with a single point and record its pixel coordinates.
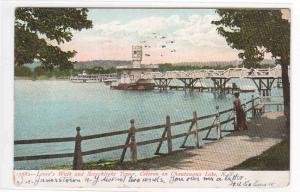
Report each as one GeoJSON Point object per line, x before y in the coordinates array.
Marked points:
{"type": "Point", "coordinates": [6, 71]}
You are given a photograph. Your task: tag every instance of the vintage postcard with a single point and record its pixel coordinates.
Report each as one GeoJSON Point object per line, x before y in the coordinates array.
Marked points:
{"type": "Point", "coordinates": [152, 97]}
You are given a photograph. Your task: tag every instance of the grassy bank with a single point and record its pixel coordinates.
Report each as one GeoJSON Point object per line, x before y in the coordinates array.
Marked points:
{"type": "Point", "coordinates": [23, 78]}
{"type": "Point", "coordinates": [275, 158]}
{"type": "Point", "coordinates": [104, 165]}
{"type": "Point", "coordinates": [111, 164]}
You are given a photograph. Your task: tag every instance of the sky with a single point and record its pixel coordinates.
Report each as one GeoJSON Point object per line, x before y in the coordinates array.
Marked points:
{"type": "Point", "coordinates": [189, 36]}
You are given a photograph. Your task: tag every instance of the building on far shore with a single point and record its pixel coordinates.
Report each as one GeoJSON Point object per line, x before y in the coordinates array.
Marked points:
{"type": "Point", "coordinates": [131, 74]}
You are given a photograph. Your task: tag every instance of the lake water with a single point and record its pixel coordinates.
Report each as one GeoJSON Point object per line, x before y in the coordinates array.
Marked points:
{"type": "Point", "coordinates": [45, 109]}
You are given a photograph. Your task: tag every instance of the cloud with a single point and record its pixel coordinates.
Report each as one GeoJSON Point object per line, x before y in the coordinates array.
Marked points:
{"type": "Point", "coordinates": [193, 35]}
{"type": "Point", "coordinates": [199, 32]}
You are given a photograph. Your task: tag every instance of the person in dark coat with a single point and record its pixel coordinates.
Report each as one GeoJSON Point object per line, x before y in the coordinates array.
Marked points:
{"type": "Point", "coordinates": [241, 122]}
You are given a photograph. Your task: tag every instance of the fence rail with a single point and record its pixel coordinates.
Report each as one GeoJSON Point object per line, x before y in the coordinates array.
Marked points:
{"type": "Point", "coordinates": [131, 142]}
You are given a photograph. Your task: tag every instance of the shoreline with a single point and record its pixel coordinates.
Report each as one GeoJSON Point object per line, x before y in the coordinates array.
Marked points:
{"type": "Point", "coordinates": [41, 78]}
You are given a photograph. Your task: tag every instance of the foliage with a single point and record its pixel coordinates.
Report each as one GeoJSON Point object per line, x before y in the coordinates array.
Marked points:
{"type": "Point", "coordinates": [255, 32]}
{"type": "Point", "coordinates": [260, 66]}
{"type": "Point", "coordinates": [170, 67]}
{"type": "Point", "coordinates": [99, 70]}
{"type": "Point", "coordinates": [39, 31]}
{"type": "Point", "coordinates": [39, 71]}
{"type": "Point", "coordinates": [61, 73]}
{"type": "Point", "coordinates": [109, 70]}
{"type": "Point", "coordinates": [22, 71]}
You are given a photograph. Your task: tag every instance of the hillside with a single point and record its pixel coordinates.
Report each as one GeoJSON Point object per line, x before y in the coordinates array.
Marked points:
{"type": "Point", "coordinates": [219, 63]}
{"type": "Point", "coordinates": [105, 64]}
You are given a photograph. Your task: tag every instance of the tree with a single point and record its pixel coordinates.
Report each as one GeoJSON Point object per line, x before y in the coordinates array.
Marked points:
{"type": "Point", "coordinates": [39, 71]}
{"type": "Point", "coordinates": [40, 31]}
{"type": "Point", "coordinates": [256, 32]}
{"type": "Point", "coordinates": [22, 71]}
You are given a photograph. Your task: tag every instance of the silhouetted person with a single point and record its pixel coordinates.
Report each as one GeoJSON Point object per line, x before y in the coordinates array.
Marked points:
{"type": "Point", "coordinates": [251, 71]}
{"type": "Point", "coordinates": [234, 86]}
{"type": "Point", "coordinates": [241, 122]}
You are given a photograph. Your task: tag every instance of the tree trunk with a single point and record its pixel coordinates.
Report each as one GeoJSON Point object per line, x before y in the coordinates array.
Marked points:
{"type": "Point", "coordinates": [286, 89]}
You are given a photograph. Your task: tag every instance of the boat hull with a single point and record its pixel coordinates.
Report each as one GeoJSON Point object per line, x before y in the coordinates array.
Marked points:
{"type": "Point", "coordinates": [133, 86]}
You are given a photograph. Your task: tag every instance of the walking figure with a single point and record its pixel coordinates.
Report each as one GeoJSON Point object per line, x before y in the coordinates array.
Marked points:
{"type": "Point", "coordinates": [240, 113]}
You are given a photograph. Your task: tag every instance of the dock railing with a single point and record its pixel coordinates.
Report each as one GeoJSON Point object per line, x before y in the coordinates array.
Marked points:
{"type": "Point", "coordinates": [132, 142]}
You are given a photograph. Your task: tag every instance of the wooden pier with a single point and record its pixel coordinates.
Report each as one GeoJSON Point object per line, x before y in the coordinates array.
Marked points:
{"type": "Point", "coordinates": [263, 84]}
{"type": "Point", "coordinates": [201, 89]}
{"type": "Point", "coordinates": [133, 142]}
{"type": "Point", "coordinates": [262, 78]}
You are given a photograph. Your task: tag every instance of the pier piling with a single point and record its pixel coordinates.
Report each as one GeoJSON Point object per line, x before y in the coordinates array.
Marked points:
{"type": "Point", "coordinates": [264, 85]}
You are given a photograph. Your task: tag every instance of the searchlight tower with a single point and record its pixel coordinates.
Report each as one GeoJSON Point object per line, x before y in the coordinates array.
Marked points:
{"type": "Point", "coordinates": [137, 56]}
{"type": "Point", "coordinates": [132, 75]}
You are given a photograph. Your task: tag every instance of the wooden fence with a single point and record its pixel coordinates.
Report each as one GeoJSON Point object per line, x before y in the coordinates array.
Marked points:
{"type": "Point", "coordinates": [132, 142]}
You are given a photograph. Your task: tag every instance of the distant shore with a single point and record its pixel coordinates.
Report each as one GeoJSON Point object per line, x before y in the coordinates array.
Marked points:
{"type": "Point", "coordinates": [41, 78]}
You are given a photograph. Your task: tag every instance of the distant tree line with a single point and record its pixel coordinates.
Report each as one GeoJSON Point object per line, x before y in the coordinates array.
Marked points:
{"type": "Point", "coordinates": [23, 71]}
{"type": "Point", "coordinates": [99, 70]}
{"type": "Point", "coordinates": [170, 67]}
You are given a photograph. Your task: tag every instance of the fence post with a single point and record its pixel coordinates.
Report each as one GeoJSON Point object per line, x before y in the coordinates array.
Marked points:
{"type": "Point", "coordinates": [125, 147]}
{"type": "Point", "coordinates": [133, 142]}
{"type": "Point", "coordinates": [195, 128]}
{"type": "Point", "coordinates": [77, 161]}
{"type": "Point", "coordinates": [253, 110]}
{"type": "Point", "coordinates": [218, 124]}
{"type": "Point", "coordinates": [169, 134]}
{"type": "Point", "coordinates": [188, 133]}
